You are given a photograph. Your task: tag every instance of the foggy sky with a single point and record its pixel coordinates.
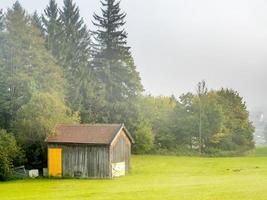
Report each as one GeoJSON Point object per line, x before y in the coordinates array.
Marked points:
{"type": "Point", "coordinates": [177, 43]}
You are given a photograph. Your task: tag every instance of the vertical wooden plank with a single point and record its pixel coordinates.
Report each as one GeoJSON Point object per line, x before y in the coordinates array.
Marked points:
{"type": "Point", "coordinates": [91, 161]}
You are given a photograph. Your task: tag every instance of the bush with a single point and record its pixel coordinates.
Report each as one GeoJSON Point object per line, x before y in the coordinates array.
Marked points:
{"type": "Point", "coordinates": [185, 150]}
{"type": "Point", "coordinates": [9, 153]}
{"type": "Point", "coordinates": [144, 138]}
{"type": "Point", "coordinates": [5, 167]}
{"type": "Point", "coordinates": [214, 152]}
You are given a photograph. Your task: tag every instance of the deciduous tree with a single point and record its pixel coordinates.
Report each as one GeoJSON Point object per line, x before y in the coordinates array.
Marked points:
{"type": "Point", "coordinates": [144, 138]}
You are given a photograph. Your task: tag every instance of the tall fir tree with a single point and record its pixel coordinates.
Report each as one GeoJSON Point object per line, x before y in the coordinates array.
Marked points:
{"type": "Point", "coordinates": [75, 55]}
{"type": "Point", "coordinates": [37, 22]}
{"type": "Point", "coordinates": [111, 38]}
{"type": "Point", "coordinates": [69, 40]}
{"type": "Point", "coordinates": [113, 61]}
{"type": "Point", "coordinates": [52, 27]}
{"type": "Point", "coordinates": [75, 39]}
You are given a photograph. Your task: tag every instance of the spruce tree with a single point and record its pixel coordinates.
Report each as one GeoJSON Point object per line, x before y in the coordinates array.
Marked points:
{"type": "Point", "coordinates": [37, 22]}
{"type": "Point", "coordinates": [111, 38]}
{"type": "Point", "coordinates": [68, 38]}
{"type": "Point", "coordinates": [52, 27]}
{"type": "Point", "coordinates": [75, 57]}
{"type": "Point", "coordinates": [113, 61]}
{"type": "Point", "coordinates": [75, 39]}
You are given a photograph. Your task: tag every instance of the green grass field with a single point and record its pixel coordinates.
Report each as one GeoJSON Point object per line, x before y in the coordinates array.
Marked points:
{"type": "Point", "coordinates": [159, 178]}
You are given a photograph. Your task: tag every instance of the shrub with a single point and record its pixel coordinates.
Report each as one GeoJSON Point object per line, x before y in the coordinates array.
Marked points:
{"type": "Point", "coordinates": [144, 138]}
{"type": "Point", "coordinates": [9, 153]}
{"type": "Point", "coordinates": [5, 167]}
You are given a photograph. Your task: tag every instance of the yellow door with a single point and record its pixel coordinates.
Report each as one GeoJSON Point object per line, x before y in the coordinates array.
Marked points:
{"type": "Point", "coordinates": [55, 162]}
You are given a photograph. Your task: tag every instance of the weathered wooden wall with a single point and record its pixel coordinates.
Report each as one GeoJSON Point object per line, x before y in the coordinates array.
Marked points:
{"type": "Point", "coordinates": [84, 160]}
{"type": "Point", "coordinates": [121, 150]}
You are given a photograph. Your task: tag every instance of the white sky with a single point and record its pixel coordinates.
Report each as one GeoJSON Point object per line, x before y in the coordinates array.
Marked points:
{"type": "Point", "coordinates": [177, 43]}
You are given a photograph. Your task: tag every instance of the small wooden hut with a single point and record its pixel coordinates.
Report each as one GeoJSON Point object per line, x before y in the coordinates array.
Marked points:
{"type": "Point", "coordinates": [89, 151]}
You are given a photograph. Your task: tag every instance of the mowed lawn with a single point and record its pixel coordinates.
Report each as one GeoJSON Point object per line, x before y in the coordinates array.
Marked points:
{"type": "Point", "coordinates": [158, 178]}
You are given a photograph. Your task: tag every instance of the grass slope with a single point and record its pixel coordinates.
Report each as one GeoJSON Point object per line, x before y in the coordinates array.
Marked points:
{"type": "Point", "coordinates": [158, 178]}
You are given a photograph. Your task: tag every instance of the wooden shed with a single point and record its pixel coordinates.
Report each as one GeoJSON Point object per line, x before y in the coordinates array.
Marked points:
{"type": "Point", "coordinates": [89, 151]}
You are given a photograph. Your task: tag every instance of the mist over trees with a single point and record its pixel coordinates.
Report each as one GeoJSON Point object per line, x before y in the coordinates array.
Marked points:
{"type": "Point", "coordinates": [54, 69]}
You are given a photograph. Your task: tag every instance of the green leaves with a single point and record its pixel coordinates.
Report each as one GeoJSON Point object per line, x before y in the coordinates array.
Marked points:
{"type": "Point", "coordinates": [9, 151]}
{"type": "Point", "coordinates": [144, 138]}
{"type": "Point", "coordinates": [32, 86]}
{"type": "Point", "coordinates": [52, 28]}
{"type": "Point", "coordinates": [38, 118]}
{"type": "Point", "coordinates": [225, 121]}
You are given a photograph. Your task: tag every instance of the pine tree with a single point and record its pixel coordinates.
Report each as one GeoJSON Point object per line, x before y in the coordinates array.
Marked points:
{"type": "Point", "coordinates": [37, 22]}
{"type": "Point", "coordinates": [75, 37]}
{"type": "Point", "coordinates": [113, 61]}
{"type": "Point", "coordinates": [75, 55]}
{"type": "Point", "coordinates": [110, 37]}
{"type": "Point", "coordinates": [52, 27]}
{"type": "Point", "coordinates": [68, 38]}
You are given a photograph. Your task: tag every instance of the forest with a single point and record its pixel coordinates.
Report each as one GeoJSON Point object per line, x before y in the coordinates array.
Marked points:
{"type": "Point", "coordinates": [54, 69]}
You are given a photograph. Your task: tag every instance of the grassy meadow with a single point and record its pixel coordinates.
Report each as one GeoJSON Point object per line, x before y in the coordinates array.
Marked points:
{"type": "Point", "coordinates": [159, 178]}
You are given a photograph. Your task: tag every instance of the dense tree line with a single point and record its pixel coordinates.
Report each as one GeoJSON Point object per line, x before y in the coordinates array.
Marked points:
{"type": "Point", "coordinates": [215, 122]}
{"type": "Point", "coordinates": [53, 69]}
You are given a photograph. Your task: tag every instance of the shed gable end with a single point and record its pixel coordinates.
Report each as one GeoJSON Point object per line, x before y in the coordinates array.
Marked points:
{"type": "Point", "coordinates": [120, 149]}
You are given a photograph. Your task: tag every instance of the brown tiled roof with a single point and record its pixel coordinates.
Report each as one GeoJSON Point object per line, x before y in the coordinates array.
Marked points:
{"type": "Point", "coordinates": [86, 133]}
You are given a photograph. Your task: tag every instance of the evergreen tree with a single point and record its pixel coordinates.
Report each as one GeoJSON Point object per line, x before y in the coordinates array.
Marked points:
{"type": "Point", "coordinates": [52, 27]}
{"type": "Point", "coordinates": [69, 40]}
{"type": "Point", "coordinates": [114, 64]}
{"type": "Point", "coordinates": [75, 38]}
{"type": "Point", "coordinates": [90, 97]}
{"type": "Point", "coordinates": [75, 54]}
{"type": "Point", "coordinates": [37, 22]}
{"type": "Point", "coordinates": [111, 38]}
